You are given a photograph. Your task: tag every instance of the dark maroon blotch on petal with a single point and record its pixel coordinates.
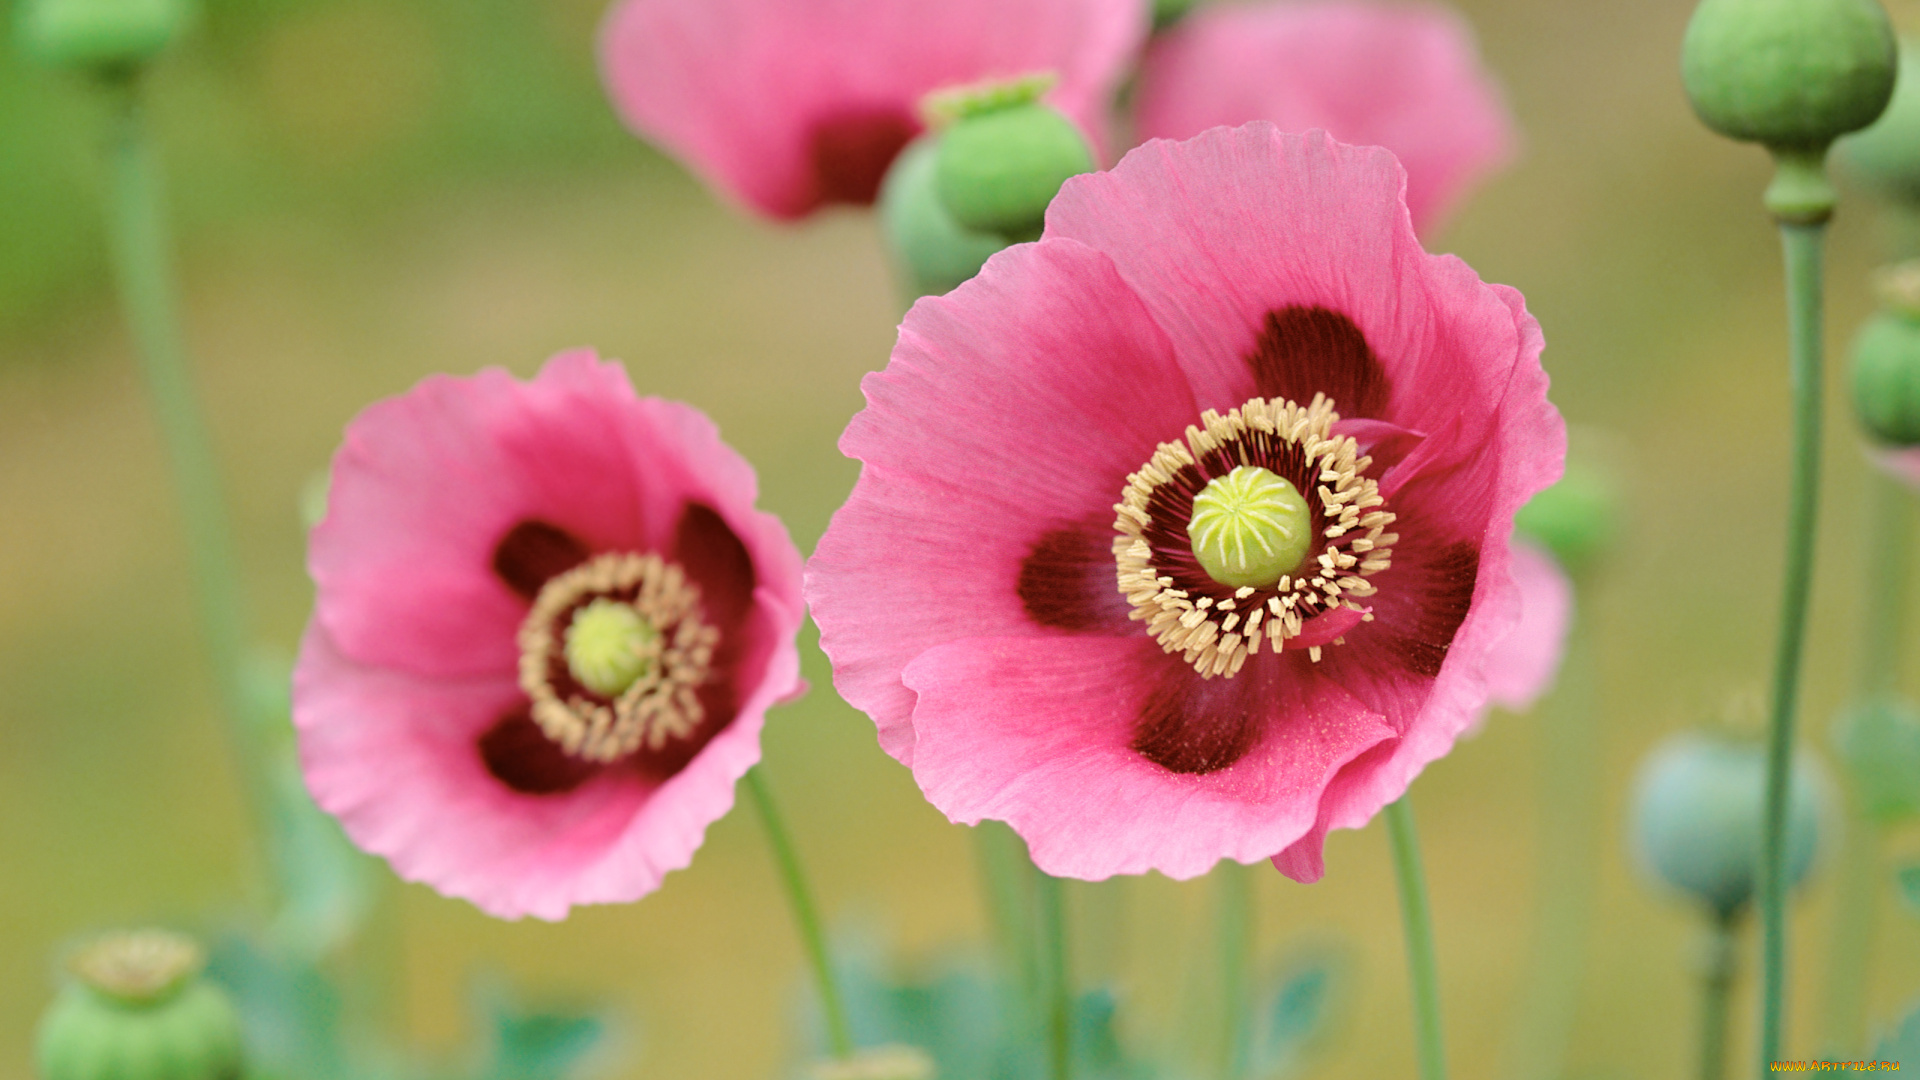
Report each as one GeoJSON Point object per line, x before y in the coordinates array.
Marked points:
{"type": "Point", "coordinates": [713, 556]}
{"type": "Point", "coordinates": [1438, 596]}
{"type": "Point", "coordinates": [1196, 726]}
{"type": "Point", "coordinates": [1308, 350]}
{"type": "Point", "coordinates": [1068, 580]}
{"type": "Point", "coordinates": [851, 152]}
{"type": "Point", "coordinates": [533, 553]}
{"type": "Point", "coordinates": [520, 755]}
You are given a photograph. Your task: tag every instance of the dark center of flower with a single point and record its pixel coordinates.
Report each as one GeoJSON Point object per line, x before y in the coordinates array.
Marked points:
{"type": "Point", "coordinates": [612, 656]}
{"type": "Point", "coordinates": [1219, 549]}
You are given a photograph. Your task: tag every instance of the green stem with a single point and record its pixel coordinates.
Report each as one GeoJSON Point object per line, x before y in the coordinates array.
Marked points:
{"type": "Point", "coordinates": [137, 233]}
{"type": "Point", "coordinates": [1422, 970]}
{"type": "Point", "coordinates": [1886, 561]}
{"type": "Point", "coordinates": [1007, 878]}
{"type": "Point", "coordinates": [1716, 989]}
{"type": "Point", "coordinates": [1802, 245]}
{"type": "Point", "coordinates": [1236, 948]}
{"type": "Point", "coordinates": [805, 916]}
{"type": "Point", "coordinates": [1569, 814]}
{"type": "Point", "coordinates": [1059, 978]}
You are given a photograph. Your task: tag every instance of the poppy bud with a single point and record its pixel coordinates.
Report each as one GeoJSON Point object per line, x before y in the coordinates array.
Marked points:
{"type": "Point", "coordinates": [1885, 375]}
{"type": "Point", "coordinates": [1575, 518]}
{"type": "Point", "coordinates": [100, 34]}
{"type": "Point", "coordinates": [1003, 156]}
{"type": "Point", "coordinates": [138, 1010]}
{"type": "Point", "coordinates": [1885, 156]}
{"type": "Point", "coordinates": [1791, 74]}
{"type": "Point", "coordinates": [1697, 817]}
{"type": "Point", "coordinates": [933, 252]}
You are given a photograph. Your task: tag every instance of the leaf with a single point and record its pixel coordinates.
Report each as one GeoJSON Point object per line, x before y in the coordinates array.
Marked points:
{"type": "Point", "coordinates": [1903, 1043]}
{"type": "Point", "coordinates": [537, 1044]}
{"type": "Point", "coordinates": [1306, 996]}
{"type": "Point", "coordinates": [1879, 741]}
{"type": "Point", "coordinates": [289, 1011]}
{"type": "Point", "coordinates": [1908, 878]}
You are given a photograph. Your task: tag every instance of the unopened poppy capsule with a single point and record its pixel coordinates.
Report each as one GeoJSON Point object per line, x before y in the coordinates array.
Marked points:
{"type": "Point", "coordinates": [99, 33]}
{"type": "Point", "coordinates": [1885, 156]}
{"type": "Point", "coordinates": [138, 1010]}
{"type": "Point", "coordinates": [1790, 74]}
{"type": "Point", "coordinates": [1004, 157]}
{"type": "Point", "coordinates": [1697, 814]}
{"type": "Point", "coordinates": [934, 253]}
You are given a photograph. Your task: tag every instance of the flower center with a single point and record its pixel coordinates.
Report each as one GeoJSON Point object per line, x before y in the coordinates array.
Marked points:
{"type": "Point", "coordinates": [626, 670]}
{"type": "Point", "coordinates": [1250, 527]}
{"type": "Point", "coordinates": [1217, 545]}
{"type": "Point", "coordinates": [609, 647]}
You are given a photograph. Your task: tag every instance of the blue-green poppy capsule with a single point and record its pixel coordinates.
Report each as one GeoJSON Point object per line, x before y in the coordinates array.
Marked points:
{"type": "Point", "coordinates": [1885, 156]}
{"type": "Point", "coordinates": [1697, 810]}
{"type": "Point", "coordinates": [997, 168]}
{"type": "Point", "coordinates": [1885, 371]}
{"type": "Point", "coordinates": [1789, 74]}
{"type": "Point", "coordinates": [137, 1009]}
{"type": "Point", "coordinates": [932, 252]}
{"type": "Point", "coordinates": [99, 34]}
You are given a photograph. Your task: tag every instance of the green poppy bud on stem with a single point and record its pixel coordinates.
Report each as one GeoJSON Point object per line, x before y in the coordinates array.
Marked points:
{"type": "Point", "coordinates": [1885, 156]}
{"type": "Point", "coordinates": [1002, 156]}
{"type": "Point", "coordinates": [1793, 75]}
{"type": "Point", "coordinates": [138, 1010]}
{"type": "Point", "coordinates": [1575, 518]}
{"type": "Point", "coordinates": [104, 35]}
{"type": "Point", "coordinates": [1697, 809]}
{"type": "Point", "coordinates": [932, 251]}
{"type": "Point", "coordinates": [1885, 375]}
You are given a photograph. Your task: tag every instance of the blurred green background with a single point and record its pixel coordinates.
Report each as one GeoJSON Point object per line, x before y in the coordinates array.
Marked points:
{"type": "Point", "coordinates": [368, 191]}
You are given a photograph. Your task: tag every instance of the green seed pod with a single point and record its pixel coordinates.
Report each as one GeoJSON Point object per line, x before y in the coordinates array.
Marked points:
{"type": "Point", "coordinates": [138, 1010]}
{"type": "Point", "coordinates": [1886, 155]}
{"type": "Point", "coordinates": [1697, 810]}
{"type": "Point", "coordinates": [1879, 742]}
{"type": "Point", "coordinates": [934, 254]}
{"type": "Point", "coordinates": [1790, 74]}
{"type": "Point", "coordinates": [996, 170]}
{"type": "Point", "coordinates": [1575, 518]}
{"type": "Point", "coordinates": [99, 34]}
{"type": "Point", "coordinates": [1885, 378]}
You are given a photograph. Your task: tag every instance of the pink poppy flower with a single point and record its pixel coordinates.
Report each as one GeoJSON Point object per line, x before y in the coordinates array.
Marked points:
{"type": "Point", "coordinates": [1404, 77]}
{"type": "Point", "coordinates": [1014, 591]}
{"type": "Point", "coordinates": [548, 627]}
{"type": "Point", "coordinates": [1522, 667]}
{"type": "Point", "coordinates": [787, 105]}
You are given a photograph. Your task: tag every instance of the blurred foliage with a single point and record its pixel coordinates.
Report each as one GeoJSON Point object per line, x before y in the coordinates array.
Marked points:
{"type": "Point", "coordinates": [345, 109]}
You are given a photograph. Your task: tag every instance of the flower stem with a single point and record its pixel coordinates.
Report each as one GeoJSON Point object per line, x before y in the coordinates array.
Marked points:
{"type": "Point", "coordinates": [1716, 988]}
{"type": "Point", "coordinates": [1007, 878]}
{"type": "Point", "coordinates": [1859, 876]}
{"type": "Point", "coordinates": [137, 234]}
{"type": "Point", "coordinates": [1423, 972]}
{"type": "Point", "coordinates": [1569, 814]}
{"type": "Point", "coordinates": [1059, 978]}
{"type": "Point", "coordinates": [805, 916]}
{"type": "Point", "coordinates": [1802, 247]}
{"type": "Point", "coordinates": [1236, 946]}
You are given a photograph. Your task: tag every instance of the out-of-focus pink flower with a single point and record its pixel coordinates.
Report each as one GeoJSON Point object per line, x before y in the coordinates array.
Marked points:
{"type": "Point", "coordinates": [1900, 462]}
{"type": "Point", "coordinates": [472, 525]}
{"type": "Point", "coordinates": [787, 105]}
{"type": "Point", "coordinates": [1223, 300]}
{"type": "Point", "coordinates": [1523, 666]}
{"type": "Point", "coordinates": [1404, 77]}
